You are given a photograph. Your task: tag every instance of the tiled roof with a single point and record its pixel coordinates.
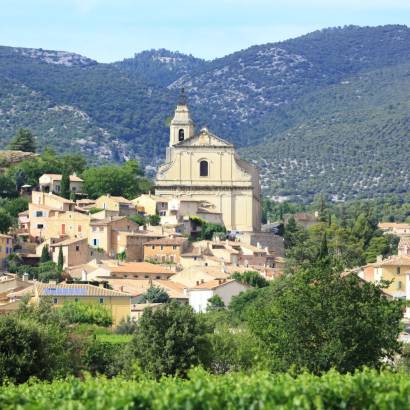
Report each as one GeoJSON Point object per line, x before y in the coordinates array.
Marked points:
{"type": "Point", "coordinates": [107, 221]}
{"type": "Point", "coordinates": [394, 261]}
{"type": "Point", "coordinates": [391, 225]}
{"type": "Point", "coordinates": [59, 177]}
{"type": "Point", "coordinates": [69, 241]}
{"type": "Point", "coordinates": [139, 267]}
{"type": "Point", "coordinates": [74, 289]}
{"type": "Point", "coordinates": [120, 199]}
{"type": "Point", "coordinates": [213, 284]}
{"type": "Point", "coordinates": [167, 241]}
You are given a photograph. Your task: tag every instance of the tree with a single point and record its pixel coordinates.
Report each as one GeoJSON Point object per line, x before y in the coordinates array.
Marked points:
{"type": "Point", "coordinates": [45, 254]}
{"type": "Point", "coordinates": [125, 180]}
{"type": "Point", "coordinates": [65, 184]}
{"type": "Point", "coordinates": [154, 220]}
{"type": "Point", "coordinates": [7, 187]}
{"type": "Point", "coordinates": [60, 261]}
{"type": "Point", "coordinates": [23, 141]}
{"type": "Point", "coordinates": [138, 219]}
{"type": "Point", "coordinates": [316, 319]}
{"type": "Point", "coordinates": [6, 221]}
{"type": "Point", "coordinates": [47, 271]}
{"type": "Point", "coordinates": [170, 340]}
{"type": "Point", "coordinates": [215, 302]}
{"type": "Point", "coordinates": [155, 294]}
{"type": "Point", "coordinates": [251, 278]}
{"type": "Point", "coordinates": [29, 348]}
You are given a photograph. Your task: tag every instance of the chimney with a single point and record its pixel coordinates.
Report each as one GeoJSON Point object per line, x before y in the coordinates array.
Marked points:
{"type": "Point", "coordinates": [25, 277]}
{"type": "Point", "coordinates": [84, 275]}
{"type": "Point", "coordinates": [379, 258]}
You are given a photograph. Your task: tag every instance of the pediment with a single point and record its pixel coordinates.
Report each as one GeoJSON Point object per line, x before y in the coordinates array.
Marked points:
{"type": "Point", "coordinates": [204, 139]}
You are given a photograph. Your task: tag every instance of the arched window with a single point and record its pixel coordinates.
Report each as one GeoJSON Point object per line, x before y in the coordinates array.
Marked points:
{"type": "Point", "coordinates": [181, 135]}
{"type": "Point", "coordinates": [203, 169]}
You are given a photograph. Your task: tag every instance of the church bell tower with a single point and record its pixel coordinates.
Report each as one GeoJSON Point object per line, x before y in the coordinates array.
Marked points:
{"type": "Point", "coordinates": [182, 126]}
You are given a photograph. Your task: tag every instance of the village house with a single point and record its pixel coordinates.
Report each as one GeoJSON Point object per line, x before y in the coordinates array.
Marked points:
{"type": "Point", "coordinates": [123, 206]}
{"type": "Point", "coordinates": [149, 204]}
{"type": "Point", "coordinates": [200, 294]}
{"type": "Point", "coordinates": [117, 303]}
{"type": "Point", "coordinates": [75, 251]}
{"type": "Point", "coordinates": [394, 228]}
{"type": "Point", "coordinates": [165, 250]}
{"type": "Point", "coordinates": [52, 183]}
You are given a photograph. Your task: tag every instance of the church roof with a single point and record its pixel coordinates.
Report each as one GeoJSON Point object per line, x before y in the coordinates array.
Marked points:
{"type": "Point", "coordinates": [204, 138]}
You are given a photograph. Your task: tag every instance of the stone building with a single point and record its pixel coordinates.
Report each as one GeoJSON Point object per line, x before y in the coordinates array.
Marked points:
{"type": "Point", "coordinates": [204, 167]}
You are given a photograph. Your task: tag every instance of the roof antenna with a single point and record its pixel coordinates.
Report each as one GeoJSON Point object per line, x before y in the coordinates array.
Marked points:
{"type": "Point", "coordinates": [182, 97]}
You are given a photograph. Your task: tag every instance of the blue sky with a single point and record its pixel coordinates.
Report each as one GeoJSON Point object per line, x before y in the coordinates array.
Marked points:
{"type": "Point", "coordinates": [109, 30]}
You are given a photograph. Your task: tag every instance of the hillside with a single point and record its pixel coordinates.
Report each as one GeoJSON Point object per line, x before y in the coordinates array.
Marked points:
{"type": "Point", "coordinates": [323, 112]}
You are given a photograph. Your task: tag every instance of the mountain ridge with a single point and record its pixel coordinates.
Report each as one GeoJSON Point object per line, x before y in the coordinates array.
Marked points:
{"type": "Point", "coordinates": [253, 97]}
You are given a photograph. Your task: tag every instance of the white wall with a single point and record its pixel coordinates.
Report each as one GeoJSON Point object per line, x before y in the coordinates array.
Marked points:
{"type": "Point", "coordinates": [198, 299]}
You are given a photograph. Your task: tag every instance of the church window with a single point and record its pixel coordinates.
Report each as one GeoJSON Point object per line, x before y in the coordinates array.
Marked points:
{"type": "Point", "coordinates": [181, 135]}
{"type": "Point", "coordinates": [203, 169]}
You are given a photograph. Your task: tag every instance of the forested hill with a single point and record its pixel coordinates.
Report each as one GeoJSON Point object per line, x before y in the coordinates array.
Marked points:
{"type": "Point", "coordinates": [323, 112]}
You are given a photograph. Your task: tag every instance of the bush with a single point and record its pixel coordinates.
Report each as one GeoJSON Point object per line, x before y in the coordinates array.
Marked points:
{"type": "Point", "coordinates": [169, 340]}
{"type": "Point", "coordinates": [30, 348]}
{"type": "Point", "coordinates": [77, 312]}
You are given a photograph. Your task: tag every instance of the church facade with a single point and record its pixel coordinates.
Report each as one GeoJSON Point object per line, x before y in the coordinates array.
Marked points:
{"type": "Point", "coordinates": [204, 167]}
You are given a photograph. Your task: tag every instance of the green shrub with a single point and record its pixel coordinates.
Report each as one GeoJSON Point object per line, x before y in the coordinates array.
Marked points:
{"type": "Point", "coordinates": [77, 312]}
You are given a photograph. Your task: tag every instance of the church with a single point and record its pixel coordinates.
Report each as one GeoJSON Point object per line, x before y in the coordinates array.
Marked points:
{"type": "Point", "coordinates": [204, 167]}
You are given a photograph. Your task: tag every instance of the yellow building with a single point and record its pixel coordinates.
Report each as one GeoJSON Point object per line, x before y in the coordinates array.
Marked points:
{"type": "Point", "coordinates": [6, 248]}
{"type": "Point", "coordinates": [165, 249]}
{"type": "Point", "coordinates": [149, 204]}
{"type": "Point", "coordinates": [207, 168]}
{"type": "Point", "coordinates": [115, 203]}
{"type": "Point", "coordinates": [117, 303]}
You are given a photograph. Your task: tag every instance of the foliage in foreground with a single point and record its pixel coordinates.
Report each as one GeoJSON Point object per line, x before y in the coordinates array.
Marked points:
{"type": "Point", "coordinates": [260, 390]}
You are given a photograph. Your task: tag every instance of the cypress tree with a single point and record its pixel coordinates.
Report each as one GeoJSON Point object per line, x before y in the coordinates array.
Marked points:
{"type": "Point", "coordinates": [45, 255]}
{"type": "Point", "coordinates": [60, 262]}
{"type": "Point", "coordinates": [65, 184]}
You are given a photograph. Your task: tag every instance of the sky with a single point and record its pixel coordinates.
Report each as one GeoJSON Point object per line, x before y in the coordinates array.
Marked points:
{"type": "Point", "coordinates": [110, 30]}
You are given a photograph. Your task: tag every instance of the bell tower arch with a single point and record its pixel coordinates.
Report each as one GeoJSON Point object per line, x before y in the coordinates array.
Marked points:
{"type": "Point", "coordinates": [182, 127]}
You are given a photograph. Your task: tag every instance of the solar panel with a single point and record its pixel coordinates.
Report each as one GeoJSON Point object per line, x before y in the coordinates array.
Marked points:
{"type": "Point", "coordinates": [65, 291]}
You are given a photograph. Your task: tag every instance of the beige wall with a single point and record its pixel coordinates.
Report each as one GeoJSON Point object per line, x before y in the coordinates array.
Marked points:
{"type": "Point", "coordinates": [74, 254]}
{"type": "Point", "coordinates": [232, 185]}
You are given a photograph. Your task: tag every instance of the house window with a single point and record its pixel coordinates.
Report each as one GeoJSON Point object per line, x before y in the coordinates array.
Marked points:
{"type": "Point", "coordinates": [39, 214]}
{"type": "Point", "coordinates": [101, 229]}
{"type": "Point", "coordinates": [163, 204]}
{"type": "Point", "coordinates": [152, 246]}
{"type": "Point", "coordinates": [146, 276]}
{"type": "Point", "coordinates": [158, 277]}
{"type": "Point", "coordinates": [40, 226]}
{"type": "Point", "coordinates": [101, 301]}
{"type": "Point", "coordinates": [398, 270]}
{"type": "Point", "coordinates": [181, 135]}
{"type": "Point", "coordinates": [162, 247]}
{"type": "Point", "coordinates": [203, 168]}
{"type": "Point", "coordinates": [162, 213]}
{"type": "Point", "coordinates": [55, 301]}
{"type": "Point", "coordinates": [57, 188]}
{"type": "Point", "coordinates": [95, 242]}
{"type": "Point", "coordinates": [94, 229]}
{"type": "Point", "coordinates": [77, 248]}
{"type": "Point", "coordinates": [174, 247]}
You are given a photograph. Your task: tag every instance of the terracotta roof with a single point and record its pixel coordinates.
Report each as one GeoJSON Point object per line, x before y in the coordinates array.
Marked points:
{"type": "Point", "coordinates": [394, 261]}
{"type": "Point", "coordinates": [139, 267]}
{"type": "Point", "coordinates": [213, 284]}
{"type": "Point", "coordinates": [59, 177]}
{"type": "Point", "coordinates": [75, 289]}
{"type": "Point", "coordinates": [167, 241]}
{"type": "Point", "coordinates": [107, 221]}
{"type": "Point", "coordinates": [388, 225]}
{"type": "Point", "coordinates": [140, 286]}
{"type": "Point", "coordinates": [69, 241]}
